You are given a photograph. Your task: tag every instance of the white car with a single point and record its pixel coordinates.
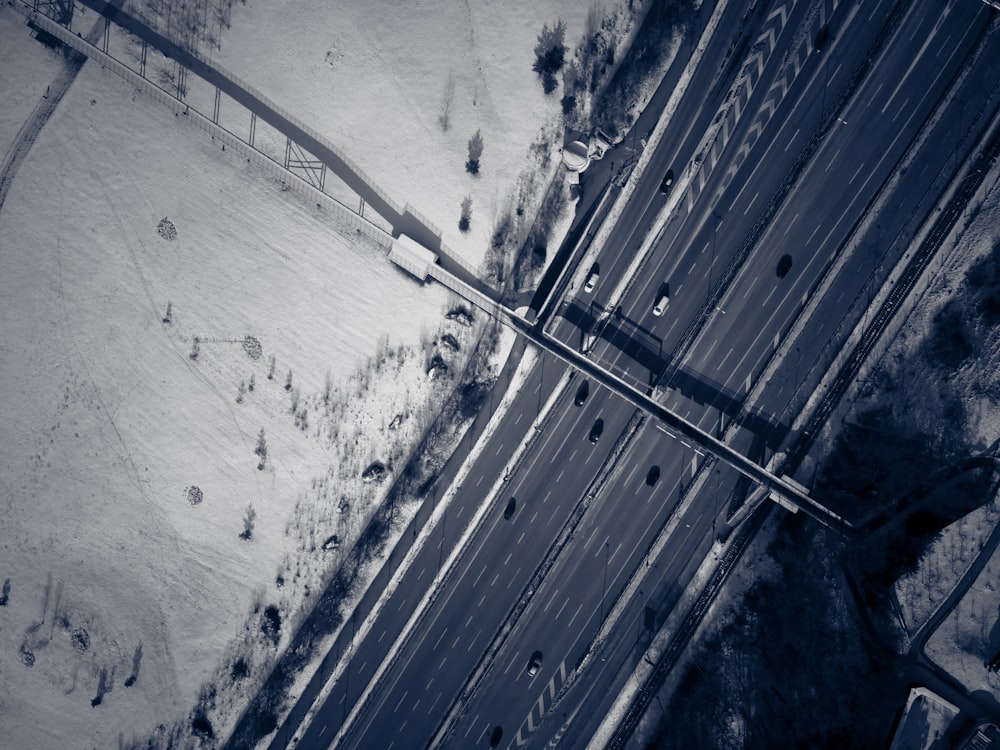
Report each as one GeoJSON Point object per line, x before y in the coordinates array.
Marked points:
{"type": "Point", "coordinates": [661, 305]}
{"type": "Point", "coordinates": [591, 281]}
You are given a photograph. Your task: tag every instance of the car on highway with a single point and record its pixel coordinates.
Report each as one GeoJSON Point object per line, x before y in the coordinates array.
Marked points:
{"type": "Point", "coordinates": [496, 735]}
{"type": "Point", "coordinates": [581, 393]}
{"type": "Point", "coordinates": [668, 181]}
{"type": "Point", "coordinates": [784, 266]}
{"type": "Point", "coordinates": [662, 300]}
{"type": "Point", "coordinates": [534, 663]}
{"type": "Point", "coordinates": [508, 512]}
{"type": "Point", "coordinates": [596, 430]}
{"type": "Point", "coordinates": [653, 475]}
{"type": "Point", "coordinates": [821, 38]}
{"type": "Point", "coordinates": [592, 278]}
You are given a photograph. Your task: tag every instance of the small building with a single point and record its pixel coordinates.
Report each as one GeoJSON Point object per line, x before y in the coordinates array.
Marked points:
{"type": "Point", "coordinates": [411, 256]}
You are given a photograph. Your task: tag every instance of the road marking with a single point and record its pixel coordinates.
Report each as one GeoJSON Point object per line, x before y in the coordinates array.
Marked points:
{"type": "Point", "coordinates": [445, 658]}
{"type": "Point", "coordinates": [480, 481]}
{"type": "Point", "coordinates": [469, 621]}
{"type": "Point", "coordinates": [401, 605]}
{"type": "Point", "coordinates": [499, 448]}
{"type": "Point", "coordinates": [574, 616]}
{"type": "Point", "coordinates": [476, 583]}
{"type": "Point", "coordinates": [750, 204]}
{"type": "Point", "coordinates": [902, 108]}
{"type": "Point", "coordinates": [519, 414]}
{"type": "Point", "coordinates": [494, 580]}
{"type": "Point", "coordinates": [615, 552]}
{"type": "Point", "coordinates": [792, 139]}
{"type": "Point", "coordinates": [562, 608]}
{"type": "Point", "coordinates": [471, 642]}
{"type": "Point", "coordinates": [429, 683]}
{"type": "Point", "coordinates": [943, 46]}
{"type": "Point", "coordinates": [707, 245]}
{"type": "Point", "coordinates": [561, 472]}
{"type": "Point", "coordinates": [724, 359]}
{"type": "Point", "coordinates": [533, 518]}
{"type": "Point", "coordinates": [790, 224]}
{"type": "Point", "coordinates": [813, 234]}
{"type": "Point", "coordinates": [509, 555]}
{"type": "Point", "coordinates": [481, 602]}
{"type": "Point", "coordinates": [321, 731]}
{"type": "Point", "coordinates": [851, 181]}
{"type": "Point", "coordinates": [551, 599]}
{"type": "Point", "coordinates": [573, 454]}
{"type": "Point", "coordinates": [403, 698]}
{"type": "Point", "coordinates": [421, 574]}
{"type": "Point", "coordinates": [434, 704]}
{"type": "Point", "coordinates": [837, 70]}
{"type": "Point", "coordinates": [768, 297]}
{"type": "Point", "coordinates": [471, 725]}
{"type": "Point", "coordinates": [832, 160]}
{"type": "Point", "coordinates": [523, 533]}
{"type": "Point", "coordinates": [691, 269]}
{"type": "Point", "coordinates": [872, 100]}
{"type": "Point", "coordinates": [513, 578]}
{"type": "Point", "coordinates": [694, 465]}
{"type": "Point", "coordinates": [546, 496]}
{"type": "Point", "coordinates": [457, 639]}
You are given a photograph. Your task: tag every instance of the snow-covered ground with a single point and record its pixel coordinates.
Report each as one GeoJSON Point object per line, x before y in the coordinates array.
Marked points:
{"type": "Point", "coordinates": [374, 78]}
{"type": "Point", "coordinates": [107, 421]}
{"type": "Point", "coordinates": [127, 465]}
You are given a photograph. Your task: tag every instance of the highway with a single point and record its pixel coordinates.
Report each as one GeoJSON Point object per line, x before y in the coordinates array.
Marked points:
{"type": "Point", "coordinates": [608, 545]}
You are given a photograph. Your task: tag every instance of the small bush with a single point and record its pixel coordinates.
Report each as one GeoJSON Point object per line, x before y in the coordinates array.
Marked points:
{"type": "Point", "coordinates": [166, 229]}
{"type": "Point", "coordinates": [81, 640]}
{"type": "Point", "coordinates": [270, 624]}
{"type": "Point", "coordinates": [475, 152]}
{"type": "Point", "coordinates": [550, 54]}
{"type": "Point", "coordinates": [465, 219]}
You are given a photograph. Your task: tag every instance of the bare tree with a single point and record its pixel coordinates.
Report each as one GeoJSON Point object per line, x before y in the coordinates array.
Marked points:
{"type": "Point", "coordinates": [261, 450]}
{"type": "Point", "coordinates": [444, 118]}
{"type": "Point", "coordinates": [248, 519]}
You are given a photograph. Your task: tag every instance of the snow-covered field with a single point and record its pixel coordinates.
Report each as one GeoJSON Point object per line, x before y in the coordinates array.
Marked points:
{"type": "Point", "coordinates": [374, 78]}
{"type": "Point", "coordinates": [128, 466]}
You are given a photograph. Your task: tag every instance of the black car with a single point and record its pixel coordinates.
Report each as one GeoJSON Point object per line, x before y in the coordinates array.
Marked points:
{"type": "Point", "coordinates": [668, 181]}
{"type": "Point", "coordinates": [496, 735]}
{"type": "Point", "coordinates": [509, 510]}
{"type": "Point", "coordinates": [582, 392]}
{"type": "Point", "coordinates": [821, 38]}
{"type": "Point", "coordinates": [596, 430]}
{"type": "Point", "coordinates": [653, 475]}
{"type": "Point", "coordinates": [784, 266]}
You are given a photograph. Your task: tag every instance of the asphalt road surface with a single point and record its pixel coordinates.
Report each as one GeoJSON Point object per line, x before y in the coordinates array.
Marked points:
{"type": "Point", "coordinates": [704, 235]}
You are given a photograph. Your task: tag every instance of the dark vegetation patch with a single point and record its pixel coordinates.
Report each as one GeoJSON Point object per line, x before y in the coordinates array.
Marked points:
{"type": "Point", "coordinates": [193, 494]}
{"type": "Point", "coordinates": [270, 624]}
{"type": "Point", "coordinates": [251, 345]}
{"type": "Point", "coordinates": [80, 639]}
{"type": "Point", "coordinates": [166, 229]}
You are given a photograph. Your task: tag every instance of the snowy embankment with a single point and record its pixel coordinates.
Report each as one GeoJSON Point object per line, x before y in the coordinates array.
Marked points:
{"type": "Point", "coordinates": [128, 464]}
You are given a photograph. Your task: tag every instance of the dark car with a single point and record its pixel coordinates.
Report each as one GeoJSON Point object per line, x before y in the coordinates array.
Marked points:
{"type": "Point", "coordinates": [653, 475]}
{"type": "Point", "coordinates": [496, 735]}
{"type": "Point", "coordinates": [668, 181]}
{"type": "Point", "coordinates": [784, 266]}
{"type": "Point", "coordinates": [535, 663]}
{"type": "Point", "coordinates": [509, 510]}
{"type": "Point", "coordinates": [582, 392]}
{"type": "Point", "coordinates": [596, 430]}
{"type": "Point", "coordinates": [821, 38]}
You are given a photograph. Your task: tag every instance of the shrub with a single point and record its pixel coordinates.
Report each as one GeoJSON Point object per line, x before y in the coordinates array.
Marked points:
{"type": "Point", "coordinates": [465, 219]}
{"type": "Point", "coordinates": [475, 151]}
{"type": "Point", "coordinates": [550, 53]}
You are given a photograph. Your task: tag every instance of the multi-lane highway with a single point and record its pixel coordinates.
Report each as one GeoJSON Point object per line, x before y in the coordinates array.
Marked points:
{"type": "Point", "coordinates": [883, 71]}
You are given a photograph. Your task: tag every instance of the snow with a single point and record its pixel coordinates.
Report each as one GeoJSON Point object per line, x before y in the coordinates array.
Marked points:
{"type": "Point", "coordinates": [31, 65]}
{"type": "Point", "coordinates": [107, 420]}
{"type": "Point", "coordinates": [372, 78]}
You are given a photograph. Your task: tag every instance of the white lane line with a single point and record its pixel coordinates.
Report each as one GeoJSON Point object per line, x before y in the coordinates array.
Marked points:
{"type": "Point", "coordinates": [691, 269]}
{"type": "Point", "coordinates": [439, 639]}
{"type": "Point", "coordinates": [943, 46]}
{"type": "Point", "coordinates": [813, 234]}
{"type": "Point", "coordinates": [455, 644]}
{"type": "Point", "coordinates": [832, 160]}
{"type": "Point", "coordinates": [401, 605]}
{"type": "Point", "coordinates": [562, 608]}
{"type": "Point", "coordinates": [402, 698]}
{"type": "Point", "coordinates": [500, 448]}
{"type": "Point", "coordinates": [476, 583]}
{"type": "Point", "coordinates": [513, 578]}
{"type": "Point", "coordinates": [573, 455]}
{"type": "Point", "coordinates": [559, 478]}
{"type": "Point", "coordinates": [471, 725]}
{"type": "Point", "coordinates": [469, 621]}
{"type": "Point", "coordinates": [769, 295]}
{"type": "Point", "coordinates": [431, 709]}
{"type": "Point", "coordinates": [481, 600]}
{"type": "Point", "coordinates": [750, 204]}
{"type": "Point", "coordinates": [855, 175]}
{"type": "Point", "coordinates": [551, 599]}
{"type": "Point", "coordinates": [875, 94]}
{"type": "Point", "coordinates": [321, 731]}
{"type": "Point", "coordinates": [473, 640]}
{"type": "Point", "coordinates": [421, 573]}
{"type": "Point", "coordinates": [546, 496]}
{"type": "Point", "coordinates": [615, 552]}
{"type": "Point", "coordinates": [724, 359]}
{"type": "Point", "coordinates": [791, 224]}
{"type": "Point", "coordinates": [534, 517]}
{"type": "Point", "coordinates": [707, 245]}
{"type": "Point", "coordinates": [494, 580]}
{"type": "Point", "coordinates": [519, 415]}
{"type": "Point", "coordinates": [792, 139]}
{"type": "Point", "coordinates": [509, 555]}
{"type": "Point", "coordinates": [523, 533]}
{"type": "Point", "coordinates": [901, 110]}
{"type": "Point", "coordinates": [479, 482]}
{"type": "Point", "coordinates": [574, 616]}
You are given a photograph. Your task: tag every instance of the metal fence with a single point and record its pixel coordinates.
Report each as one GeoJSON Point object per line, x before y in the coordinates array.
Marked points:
{"type": "Point", "coordinates": [381, 235]}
